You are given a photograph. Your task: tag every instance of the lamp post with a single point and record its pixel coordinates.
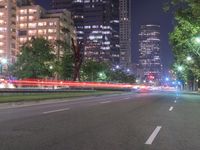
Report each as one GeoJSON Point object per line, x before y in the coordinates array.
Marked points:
{"type": "Point", "coordinates": [3, 61]}
{"type": "Point", "coordinates": [180, 68]}
{"type": "Point", "coordinates": [195, 44]}
{"type": "Point", "coordinates": [196, 41]}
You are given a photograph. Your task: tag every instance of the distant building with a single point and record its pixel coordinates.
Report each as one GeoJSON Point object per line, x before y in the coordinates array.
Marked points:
{"type": "Point", "coordinates": [20, 20]}
{"type": "Point", "coordinates": [149, 52]}
{"type": "Point", "coordinates": [7, 30]}
{"type": "Point", "coordinates": [125, 32]}
{"type": "Point", "coordinates": [97, 27]}
{"type": "Point", "coordinates": [34, 21]}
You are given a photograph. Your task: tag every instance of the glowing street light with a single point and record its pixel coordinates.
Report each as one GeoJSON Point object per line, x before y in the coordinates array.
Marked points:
{"type": "Point", "coordinates": [4, 61]}
{"type": "Point", "coordinates": [117, 67]}
{"type": "Point", "coordinates": [128, 70]}
{"type": "Point", "coordinates": [166, 79]}
{"type": "Point", "coordinates": [180, 68]}
{"type": "Point", "coordinates": [197, 39]}
{"type": "Point", "coordinates": [51, 67]}
{"type": "Point", "coordinates": [189, 58]}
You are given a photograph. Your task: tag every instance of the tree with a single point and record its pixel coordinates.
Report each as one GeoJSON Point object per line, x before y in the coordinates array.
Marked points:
{"type": "Point", "coordinates": [35, 60]}
{"type": "Point", "coordinates": [187, 19]}
{"type": "Point", "coordinates": [95, 71]}
{"type": "Point", "coordinates": [72, 58]}
{"type": "Point", "coordinates": [64, 62]}
{"type": "Point", "coordinates": [121, 76]}
{"type": "Point", "coordinates": [77, 59]}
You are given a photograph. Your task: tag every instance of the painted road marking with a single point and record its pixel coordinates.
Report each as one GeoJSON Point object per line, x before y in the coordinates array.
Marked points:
{"type": "Point", "coordinates": [171, 108]}
{"type": "Point", "coordinates": [105, 102]}
{"type": "Point", "coordinates": [153, 135]}
{"type": "Point", "coordinates": [54, 111]}
{"type": "Point", "coordinates": [175, 101]}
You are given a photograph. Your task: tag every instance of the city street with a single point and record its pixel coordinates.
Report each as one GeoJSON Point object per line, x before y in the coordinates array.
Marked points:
{"type": "Point", "coordinates": [133, 121]}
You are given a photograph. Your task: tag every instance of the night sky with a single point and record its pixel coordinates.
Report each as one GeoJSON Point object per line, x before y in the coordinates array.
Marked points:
{"type": "Point", "coordinates": [146, 12]}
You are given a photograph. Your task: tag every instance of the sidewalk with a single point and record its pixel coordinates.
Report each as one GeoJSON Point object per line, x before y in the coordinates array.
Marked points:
{"type": "Point", "coordinates": [190, 92]}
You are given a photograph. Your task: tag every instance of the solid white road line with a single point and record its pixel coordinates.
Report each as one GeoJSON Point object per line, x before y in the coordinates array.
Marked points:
{"type": "Point", "coordinates": [54, 111]}
{"type": "Point", "coordinates": [105, 102]}
{"type": "Point", "coordinates": [171, 108]}
{"type": "Point", "coordinates": [153, 136]}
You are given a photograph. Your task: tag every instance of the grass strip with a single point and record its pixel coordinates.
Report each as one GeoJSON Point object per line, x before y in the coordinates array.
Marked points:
{"type": "Point", "coordinates": [48, 96]}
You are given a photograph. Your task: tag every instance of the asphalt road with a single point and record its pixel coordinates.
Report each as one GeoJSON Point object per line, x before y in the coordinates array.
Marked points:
{"type": "Point", "coordinates": [132, 121]}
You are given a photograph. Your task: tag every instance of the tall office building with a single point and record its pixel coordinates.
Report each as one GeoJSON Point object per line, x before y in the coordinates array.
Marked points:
{"type": "Point", "coordinates": [97, 25]}
{"type": "Point", "coordinates": [34, 21]}
{"type": "Point", "coordinates": [20, 20]}
{"type": "Point", "coordinates": [7, 30]}
{"type": "Point", "coordinates": [76, 8]}
{"type": "Point", "coordinates": [149, 49]}
{"type": "Point", "coordinates": [125, 32]}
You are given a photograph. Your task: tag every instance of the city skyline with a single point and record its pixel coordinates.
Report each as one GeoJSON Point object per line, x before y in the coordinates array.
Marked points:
{"type": "Point", "coordinates": [149, 52]}
{"type": "Point", "coordinates": [147, 12]}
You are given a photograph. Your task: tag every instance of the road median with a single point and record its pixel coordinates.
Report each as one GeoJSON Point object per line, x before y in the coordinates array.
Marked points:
{"type": "Point", "coordinates": [24, 97]}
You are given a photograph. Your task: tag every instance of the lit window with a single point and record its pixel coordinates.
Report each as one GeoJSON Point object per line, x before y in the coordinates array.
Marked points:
{"type": "Point", "coordinates": [23, 18]}
{"type": "Point", "coordinates": [31, 18]}
{"type": "Point", "coordinates": [32, 32]}
{"type": "Point", "coordinates": [51, 30]}
{"type": "Point", "coordinates": [23, 11]}
{"type": "Point", "coordinates": [42, 23]}
{"type": "Point", "coordinates": [50, 37]}
{"type": "Point", "coordinates": [23, 40]}
{"type": "Point", "coordinates": [41, 31]}
{"type": "Point", "coordinates": [32, 11]}
{"type": "Point", "coordinates": [2, 29]}
{"type": "Point", "coordinates": [52, 23]}
{"type": "Point", "coordinates": [2, 22]}
{"type": "Point", "coordinates": [32, 25]}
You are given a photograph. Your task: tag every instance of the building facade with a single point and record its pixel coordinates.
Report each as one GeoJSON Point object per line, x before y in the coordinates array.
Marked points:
{"type": "Point", "coordinates": [97, 27]}
{"type": "Point", "coordinates": [34, 21]}
{"type": "Point", "coordinates": [8, 30]}
{"type": "Point", "coordinates": [125, 32]}
{"type": "Point", "coordinates": [20, 20]}
{"type": "Point", "coordinates": [149, 52]}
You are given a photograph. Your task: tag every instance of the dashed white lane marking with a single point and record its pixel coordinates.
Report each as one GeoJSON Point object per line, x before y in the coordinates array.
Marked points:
{"type": "Point", "coordinates": [54, 111]}
{"type": "Point", "coordinates": [126, 98]}
{"type": "Point", "coordinates": [153, 135]}
{"type": "Point", "coordinates": [171, 108]}
{"type": "Point", "coordinates": [105, 102]}
{"type": "Point", "coordinates": [175, 101]}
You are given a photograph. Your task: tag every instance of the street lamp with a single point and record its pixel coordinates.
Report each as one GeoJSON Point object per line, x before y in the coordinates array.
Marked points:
{"type": "Point", "coordinates": [197, 39]}
{"type": "Point", "coordinates": [128, 70]}
{"type": "Point", "coordinates": [196, 44]}
{"type": "Point", "coordinates": [51, 67]}
{"type": "Point", "coordinates": [180, 68]}
{"type": "Point", "coordinates": [189, 58]}
{"type": "Point", "coordinates": [117, 67]}
{"type": "Point", "coordinates": [3, 61]}
{"type": "Point", "coordinates": [166, 79]}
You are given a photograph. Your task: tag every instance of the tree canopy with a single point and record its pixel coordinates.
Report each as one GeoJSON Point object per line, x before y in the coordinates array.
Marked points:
{"type": "Point", "coordinates": [184, 37]}
{"type": "Point", "coordinates": [35, 60]}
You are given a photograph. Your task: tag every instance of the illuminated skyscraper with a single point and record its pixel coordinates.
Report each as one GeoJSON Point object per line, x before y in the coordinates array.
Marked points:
{"type": "Point", "coordinates": [7, 30]}
{"type": "Point", "coordinates": [35, 21]}
{"type": "Point", "coordinates": [20, 20]}
{"type": "Point", "coordinates": [125, 32]}
{"type": "Point", "coordinates": [149, 49]}
{"type": "Point", "coordinates": [97, 25]}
